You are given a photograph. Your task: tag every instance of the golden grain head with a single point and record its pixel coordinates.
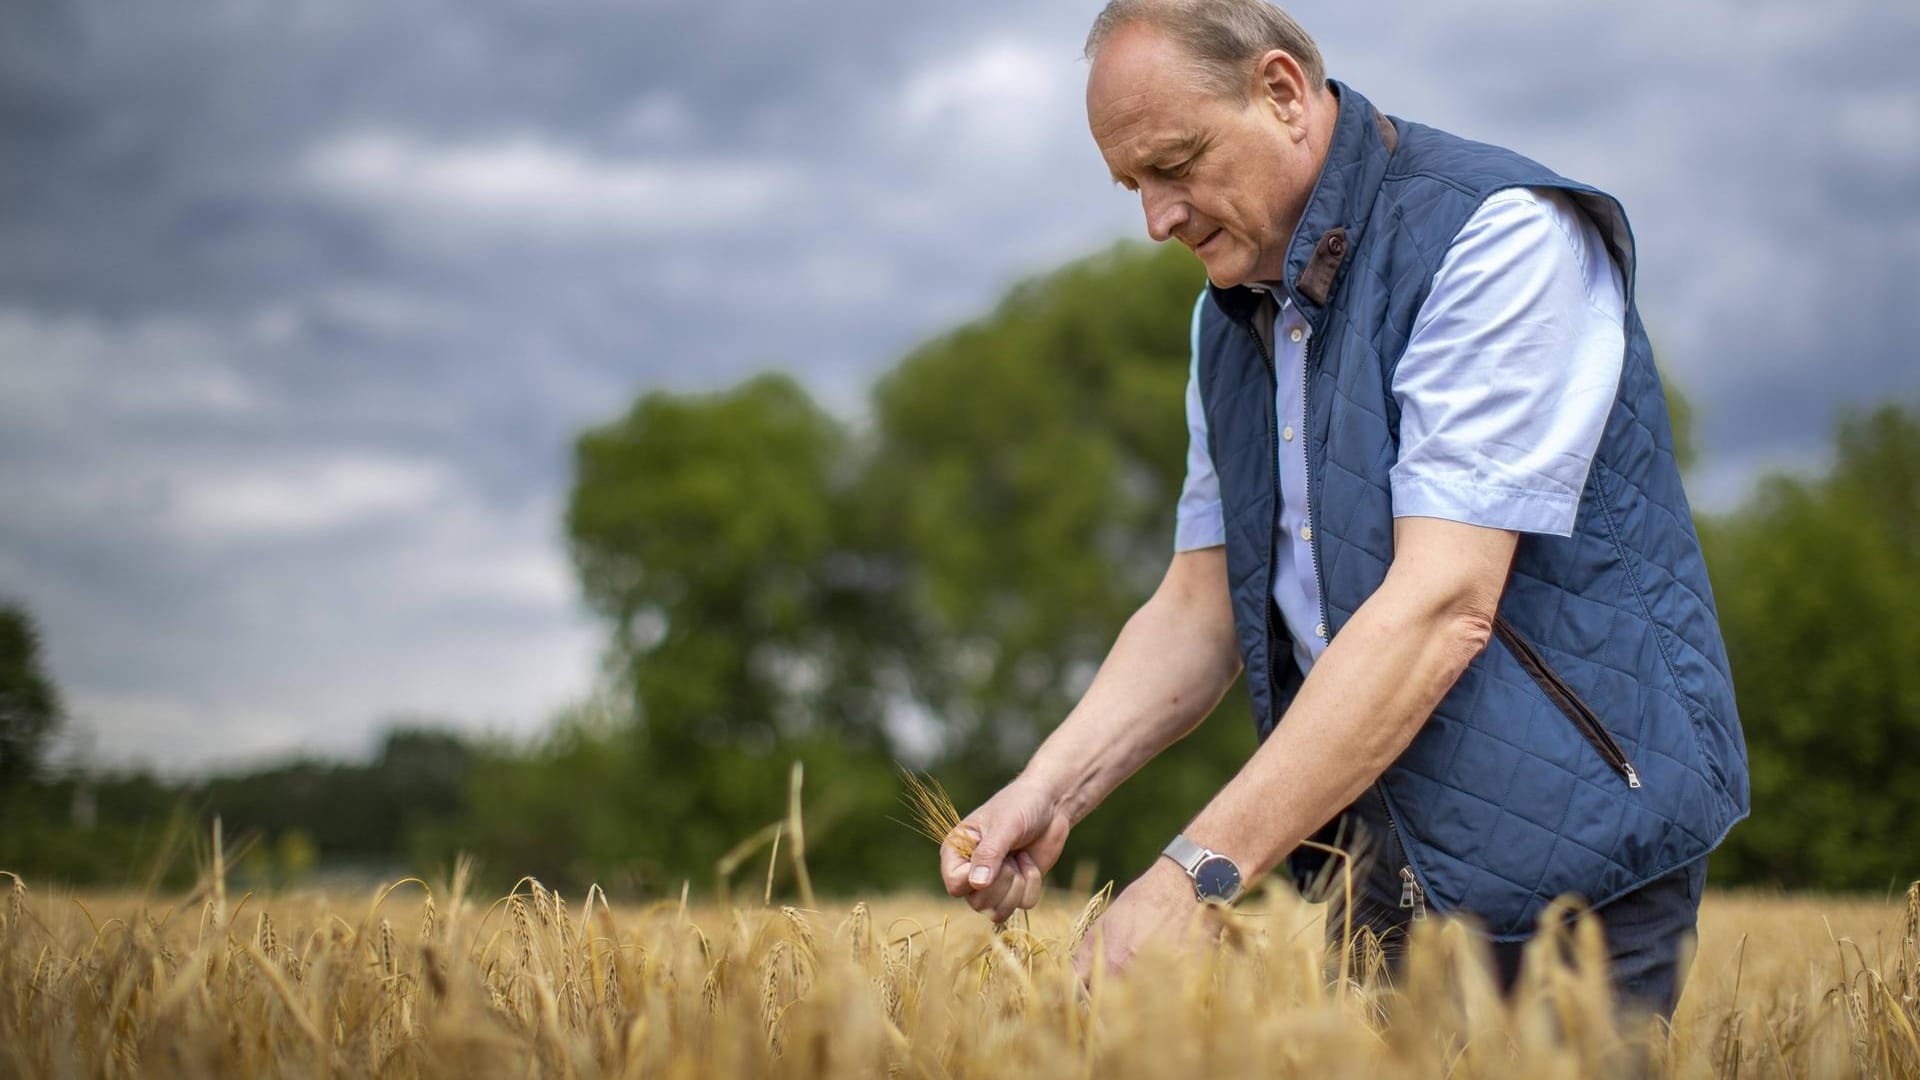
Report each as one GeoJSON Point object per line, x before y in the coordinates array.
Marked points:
{"type": "Point", "coordinates": [933, 813]}
{"type": "Point", "coordinates": [16, 901]}
{"type": "Point", "coordinates": [427, 919]}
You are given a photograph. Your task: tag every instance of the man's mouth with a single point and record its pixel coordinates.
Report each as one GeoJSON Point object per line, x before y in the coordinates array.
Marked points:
{"type": "Point", "coordinates": [1208, 240]}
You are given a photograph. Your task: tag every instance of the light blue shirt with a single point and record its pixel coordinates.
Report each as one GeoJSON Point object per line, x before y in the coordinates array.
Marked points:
{"type": "Point", "coordinates": [1504, 390]}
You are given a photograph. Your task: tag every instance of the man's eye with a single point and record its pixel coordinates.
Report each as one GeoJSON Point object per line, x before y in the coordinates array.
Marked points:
{"type": "Point", "coordinates": [1177, 171]}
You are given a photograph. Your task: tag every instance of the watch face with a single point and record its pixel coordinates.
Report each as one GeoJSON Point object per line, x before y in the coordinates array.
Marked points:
{"type": "Point", "coordinates": [1217, 879]}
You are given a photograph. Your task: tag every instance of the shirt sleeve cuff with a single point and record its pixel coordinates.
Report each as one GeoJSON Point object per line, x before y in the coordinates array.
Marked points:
{"type": "Point", "coordinates": [1487, 505]}
{"type": "Point", "coordinates": [1201, 527]}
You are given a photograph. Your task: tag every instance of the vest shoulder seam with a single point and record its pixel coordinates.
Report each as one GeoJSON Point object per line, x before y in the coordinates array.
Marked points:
{"type": "Point", "coordinates": [1427, 174]}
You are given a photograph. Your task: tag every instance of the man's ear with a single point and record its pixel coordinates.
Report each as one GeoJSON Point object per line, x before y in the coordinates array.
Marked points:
{"type": "Point", "coordinates": [1282, 85]}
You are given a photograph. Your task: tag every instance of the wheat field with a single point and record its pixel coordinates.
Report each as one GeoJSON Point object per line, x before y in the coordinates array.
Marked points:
{"type": "Point", "coordinates": [419, 980]}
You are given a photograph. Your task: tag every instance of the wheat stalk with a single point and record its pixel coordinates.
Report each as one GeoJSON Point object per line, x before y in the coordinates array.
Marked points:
{"type": "Point", "coordinates": [16, 900]}
{"type": "Point", "coordinates": [610, 988]}
{"type": "Point", "coordinates": [770, 986]}
{"type": "Point", "coordinates": [427, 920]}
{"type": "Point", "coordinates": [859, 931]}
{"type": "Point", "coordinates": [934, 815]}
{"type": "Point", "coordinates": [263, 933]}
{"type": "Point", "coordinates": [710, 986]}
{"type": "Point", "coordinates": [523, 929]}
{"type": "Point", "coordinates": [1088, 914]}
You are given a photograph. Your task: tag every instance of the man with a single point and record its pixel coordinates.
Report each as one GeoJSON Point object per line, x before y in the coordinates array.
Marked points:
{"type": "Point", "coordinates": [1431, 509]}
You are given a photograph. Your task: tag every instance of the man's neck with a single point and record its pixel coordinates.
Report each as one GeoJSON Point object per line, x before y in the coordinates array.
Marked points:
{"type": "Point", "coordinates": [1320, 138]}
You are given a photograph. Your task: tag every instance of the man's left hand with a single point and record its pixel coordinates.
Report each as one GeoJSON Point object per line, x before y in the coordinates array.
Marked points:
{"type": "Point", "coordinates": [1159, 906]}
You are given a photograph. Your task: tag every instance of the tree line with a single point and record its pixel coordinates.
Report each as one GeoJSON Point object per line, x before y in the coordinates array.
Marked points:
{"type": "Point", "coordinates": [936, 585]}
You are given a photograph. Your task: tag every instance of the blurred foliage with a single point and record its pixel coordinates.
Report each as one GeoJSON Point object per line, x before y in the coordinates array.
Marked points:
{"type": "Point", "coordinates": [29, 702]}
{"type": "Point", "coordinates": [1818, 587]}
{"type": "Point", "coordinates": [279, 823]}
{"type": "Point", "coordinates": [1680, 419]}
{"type": "Point", "coordinates": [356, 813]}
{"type": "Point", "coordinates": [938, 586]}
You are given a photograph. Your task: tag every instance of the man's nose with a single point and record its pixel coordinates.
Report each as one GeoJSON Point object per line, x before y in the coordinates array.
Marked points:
{"type": "Point", "coordinates": [1165, 213]}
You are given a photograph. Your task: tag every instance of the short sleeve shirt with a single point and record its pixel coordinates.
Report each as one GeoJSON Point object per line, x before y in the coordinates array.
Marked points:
{"type": "Point", "coordinates": [1504, 389]}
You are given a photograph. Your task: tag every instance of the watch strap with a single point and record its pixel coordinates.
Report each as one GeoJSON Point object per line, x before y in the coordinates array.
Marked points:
{"type": "Point", "coordinates": [1185, 852]}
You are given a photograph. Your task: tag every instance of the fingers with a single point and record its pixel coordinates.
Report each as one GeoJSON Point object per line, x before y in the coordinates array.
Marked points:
{"type": "Point", "coordinates": [994, 896]}
{"type": "Point", "coordinates": [1032, 880]}
{"type": "Point", "coordinates": [954, 866]}
{"type": "Point", "coordinates": [1023, 883]}
{"type": "Point", "coordinates": [1016, 882]}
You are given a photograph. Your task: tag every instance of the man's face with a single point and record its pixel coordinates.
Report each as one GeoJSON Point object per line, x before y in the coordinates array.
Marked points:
{"type": "Point", "coordinates": [1227, 178]}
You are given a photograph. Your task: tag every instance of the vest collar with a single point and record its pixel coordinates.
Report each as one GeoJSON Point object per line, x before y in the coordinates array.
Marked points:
{"type": "Point", "coordinates": [1336, 213]}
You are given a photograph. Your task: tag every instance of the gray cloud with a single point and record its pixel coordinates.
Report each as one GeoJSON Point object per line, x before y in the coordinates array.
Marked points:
{"type": "Point", "coordinates": [301, 305]}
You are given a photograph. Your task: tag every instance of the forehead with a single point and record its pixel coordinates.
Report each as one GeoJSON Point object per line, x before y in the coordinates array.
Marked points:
{"type": "Point", "coordinates": [1143, 99]}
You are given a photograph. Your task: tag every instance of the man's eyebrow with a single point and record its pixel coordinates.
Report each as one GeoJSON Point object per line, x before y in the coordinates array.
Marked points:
{"type": "Point", "coordinates": [1183, 145]}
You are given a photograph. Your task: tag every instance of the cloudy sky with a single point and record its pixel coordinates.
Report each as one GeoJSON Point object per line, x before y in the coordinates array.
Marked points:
{"type": "Point", "coordinates": [302, 302]}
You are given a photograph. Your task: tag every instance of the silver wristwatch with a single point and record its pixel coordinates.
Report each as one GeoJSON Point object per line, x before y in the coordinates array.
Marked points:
{"type": "Point", "coordinates": [1215, 877]}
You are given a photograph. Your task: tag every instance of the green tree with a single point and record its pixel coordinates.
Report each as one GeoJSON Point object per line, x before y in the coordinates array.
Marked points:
{"type": "Point", "coordinates": [718, 535]}
{"type": "Point", "coordinates": [703, 530]}
{"type": "Point", "coordinates": [1817, 582]}
{"type": "Point", "coordinates": [29, 701]}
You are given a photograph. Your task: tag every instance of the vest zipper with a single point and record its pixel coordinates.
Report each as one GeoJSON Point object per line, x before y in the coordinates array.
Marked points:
{"type": "Point", "coordinates": [1306, 494]}
{"type": "Point", "coordinates": [1411, 894]}
{"type": "Point", "coordinates": [1568, 702]}
{"type": "Point", "coordinates": [1273, 461]}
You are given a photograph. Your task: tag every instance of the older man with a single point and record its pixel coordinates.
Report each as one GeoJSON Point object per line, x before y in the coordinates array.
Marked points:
{"type": "Point", "coordinates": [1431, 509]}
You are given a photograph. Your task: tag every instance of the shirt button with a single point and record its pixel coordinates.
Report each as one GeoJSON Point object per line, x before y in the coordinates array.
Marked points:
{"type": "Point", "coordinates": [1287, 433]}
{"type": "Point", "coordinates": [1295, 335]}
{"type": "Point", "coordinates": [1306, 532]}
{"type": "Point", "coordinates": [1321, 630]}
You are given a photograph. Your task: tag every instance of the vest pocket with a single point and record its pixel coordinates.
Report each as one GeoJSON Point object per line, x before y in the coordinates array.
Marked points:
{"type": "Point", "coordinates": [1566, 700]}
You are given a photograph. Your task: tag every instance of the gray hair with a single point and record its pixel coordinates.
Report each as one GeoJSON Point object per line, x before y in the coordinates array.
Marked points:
{"type": "Point", "coordinates": [1222, 36]}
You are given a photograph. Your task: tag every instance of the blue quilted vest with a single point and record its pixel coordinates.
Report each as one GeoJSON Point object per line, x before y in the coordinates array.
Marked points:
{"type": "Point", "coordinates": [1593, 745]}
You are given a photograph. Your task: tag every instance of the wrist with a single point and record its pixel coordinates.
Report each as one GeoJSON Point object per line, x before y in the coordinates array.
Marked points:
{"type": "Point", "coordinates": [1213, 875]}
{"type": "Point", "coordinates": [1249, 852]}
{"type": "Point", "coordinates": [1171, 877]}
{"type": "Point", "coordinates": [1062, 789]}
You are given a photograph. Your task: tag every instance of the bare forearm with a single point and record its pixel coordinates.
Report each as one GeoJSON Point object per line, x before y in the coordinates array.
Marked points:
{"type": "Point", "coordinates": [1361, 704]}
{"type": "Point", "coordinates": [1166, 671]}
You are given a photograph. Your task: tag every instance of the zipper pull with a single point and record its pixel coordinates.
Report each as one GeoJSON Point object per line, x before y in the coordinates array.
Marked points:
{"type": "Point", "coordinates": [1411, 895]}
{"type": "Point", "coordinates": [1633, 778]}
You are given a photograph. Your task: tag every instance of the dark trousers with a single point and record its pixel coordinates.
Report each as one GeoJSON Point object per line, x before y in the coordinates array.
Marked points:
{"type": "Point", "coordinates": [1644, 929]}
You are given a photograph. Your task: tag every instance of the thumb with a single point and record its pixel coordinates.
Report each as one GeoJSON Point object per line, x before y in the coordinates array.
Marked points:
{"type": "Point", "coordinates": [987, 856]}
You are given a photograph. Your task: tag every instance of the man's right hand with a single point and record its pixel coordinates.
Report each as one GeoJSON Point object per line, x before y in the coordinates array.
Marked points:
{"type": "Point", "coordinates": [1018, 834]}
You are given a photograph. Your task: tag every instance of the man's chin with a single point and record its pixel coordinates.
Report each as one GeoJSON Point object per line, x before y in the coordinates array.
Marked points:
{"type": "Point", "coordinates": [1224, 273]}
{"type": "Point", "coordinates": [1226, 278]}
